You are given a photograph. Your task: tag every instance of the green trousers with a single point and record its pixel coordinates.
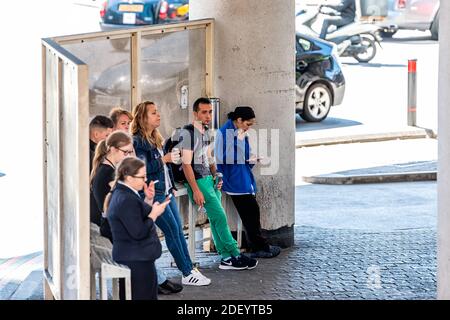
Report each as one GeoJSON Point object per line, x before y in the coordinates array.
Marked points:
{"type": "Point", "coordinates": [223, 240]}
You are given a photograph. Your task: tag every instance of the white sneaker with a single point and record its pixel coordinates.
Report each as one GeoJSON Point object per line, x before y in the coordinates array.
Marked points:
{"type": "Point", "coordinates": [195, 270]}
{"type": "Point", "coordinates": [195, 279]}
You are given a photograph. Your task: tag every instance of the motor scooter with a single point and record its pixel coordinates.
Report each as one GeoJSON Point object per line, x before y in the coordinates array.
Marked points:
{"type": "Point", "coordinates": [357, 40]}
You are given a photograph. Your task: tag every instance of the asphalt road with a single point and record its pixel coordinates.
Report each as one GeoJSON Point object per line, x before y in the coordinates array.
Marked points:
{"type": "Point", "coordinates": [376, 92]}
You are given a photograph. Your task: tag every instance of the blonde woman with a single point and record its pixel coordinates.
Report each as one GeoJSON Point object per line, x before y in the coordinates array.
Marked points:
{"type": "Point", "coordinates": [148, 144]}
{"type": "Point", "coordinates": [121, 119]}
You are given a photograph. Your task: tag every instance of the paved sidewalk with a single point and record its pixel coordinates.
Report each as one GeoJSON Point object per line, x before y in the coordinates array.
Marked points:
{"type": "Point", "coordinates": [358, 134]}
{"type": "Point", "coordinates": [382, 161]}
{"type": "Point", "coordinates": [357, 242]}
{"type": "Point", "coordinates": [399, 172]}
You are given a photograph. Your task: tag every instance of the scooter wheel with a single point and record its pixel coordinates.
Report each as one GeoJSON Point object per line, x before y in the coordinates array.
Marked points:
{"type": "Point", "coordinates": [370, 52]}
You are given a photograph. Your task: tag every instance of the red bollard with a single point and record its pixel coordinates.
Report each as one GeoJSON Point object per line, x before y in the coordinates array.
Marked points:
{"type": "Point", "coordinates": [412, 92]}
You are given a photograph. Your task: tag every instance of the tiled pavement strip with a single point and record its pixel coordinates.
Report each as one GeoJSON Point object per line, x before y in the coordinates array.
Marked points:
{"type": "Point", "coordinates": [352, 262]}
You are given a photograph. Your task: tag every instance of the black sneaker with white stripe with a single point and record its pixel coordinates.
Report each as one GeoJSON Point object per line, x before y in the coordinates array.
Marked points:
{"type": "Point", "coordinates": [250, 262]}
{"type": "Point", "coordinates": [232, 264]}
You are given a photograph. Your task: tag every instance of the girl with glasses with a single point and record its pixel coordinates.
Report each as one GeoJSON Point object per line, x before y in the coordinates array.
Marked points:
{"type": "Point", "coordinates": [132, 219]}
{"type": "Point", "coordinates": [108, 154]}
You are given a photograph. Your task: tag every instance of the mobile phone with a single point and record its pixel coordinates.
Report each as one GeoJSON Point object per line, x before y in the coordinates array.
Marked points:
{"type": "Point", "coordinates": [168, 197]}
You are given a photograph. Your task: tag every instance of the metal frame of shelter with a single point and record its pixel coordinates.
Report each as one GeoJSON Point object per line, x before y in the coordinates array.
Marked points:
{"type": "Point", "coordinates": [66, 150]}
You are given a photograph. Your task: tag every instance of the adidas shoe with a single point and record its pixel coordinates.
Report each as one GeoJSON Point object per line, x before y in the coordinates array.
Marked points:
{"type": "Point", "coordinates": [232, 264]}
{"type": "Point", "coordinates": [195, 278]}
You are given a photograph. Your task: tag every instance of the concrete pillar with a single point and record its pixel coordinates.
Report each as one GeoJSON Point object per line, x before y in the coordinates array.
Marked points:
{"type": "Point", "coordinates": [443, 274]}
{"type": "Point", "coordinates": [254, 63]}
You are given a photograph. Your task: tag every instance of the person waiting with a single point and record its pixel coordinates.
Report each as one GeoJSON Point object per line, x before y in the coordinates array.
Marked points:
{"type": "Point", "coordinates": [121, 119]}
{"type": "Point", "coordinates": [199, 169]}
{"type": "Point", "coordinates": [100, 128]}
{"type": "Point", "coordinates": [108, 154]}
{"type": "Point", "coordinates": [132, 220]}
{"type": "Point", "coordinates": [235, 162]}
{"type": "Point", "coordinates": [148, 144]}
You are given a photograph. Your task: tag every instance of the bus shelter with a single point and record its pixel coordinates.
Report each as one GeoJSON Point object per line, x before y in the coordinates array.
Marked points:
{"type": "Point", "coordinates": [89, 74]}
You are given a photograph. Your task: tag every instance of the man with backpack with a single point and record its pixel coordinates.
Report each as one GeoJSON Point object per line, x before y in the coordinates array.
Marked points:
{"type": "Point", "coordinates": [199, 168]}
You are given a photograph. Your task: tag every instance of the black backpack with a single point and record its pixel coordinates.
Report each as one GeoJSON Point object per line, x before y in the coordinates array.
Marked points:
{"type": "Point", "coordinates": [175, 139]}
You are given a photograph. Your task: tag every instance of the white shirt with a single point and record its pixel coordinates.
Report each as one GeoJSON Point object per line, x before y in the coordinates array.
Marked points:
{"type": "Point", "coordinates": [124, 184]}
{"type": "Point", "coordinates": [167, 181]}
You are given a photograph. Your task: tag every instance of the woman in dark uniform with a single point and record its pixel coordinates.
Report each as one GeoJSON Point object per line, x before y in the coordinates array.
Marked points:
{"type": "Point", "coordinates": [132, 221]}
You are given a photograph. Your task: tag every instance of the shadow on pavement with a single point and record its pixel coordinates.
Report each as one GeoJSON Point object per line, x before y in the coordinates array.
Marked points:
{"type": "Point", "coordinates": [375, 65]}
{"type": "Point", "coordinates": [415, 166]}
{"type": "Point", "coordinates": [422, 40]}
{"type": "Point", "coordinates": [328, 123]}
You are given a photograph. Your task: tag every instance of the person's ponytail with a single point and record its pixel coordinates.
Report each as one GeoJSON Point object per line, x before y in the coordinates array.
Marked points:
{"type": "Point", "coordinates": [243, 112]}
{"type": "Point", "coordinates": [117, 139]}
{"type": "Point", "coordinates": [100, 152]}
{"type": "Point", "coordinates": [108, 196]}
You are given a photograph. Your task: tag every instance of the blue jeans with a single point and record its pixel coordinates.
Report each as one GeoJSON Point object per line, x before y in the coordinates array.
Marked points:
{"type": "Point", "coordinates": [160, 273]}
{"type": "Point", "coordinates": [170, 224]}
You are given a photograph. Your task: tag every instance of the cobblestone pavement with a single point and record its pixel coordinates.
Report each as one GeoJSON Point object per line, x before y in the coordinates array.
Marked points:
{"type": "Point", "coordinates": [355, 242]}
{"type": "Point", "coordinates": [374, 243]}
{"type": "Point", "coordinates": [330, 264]}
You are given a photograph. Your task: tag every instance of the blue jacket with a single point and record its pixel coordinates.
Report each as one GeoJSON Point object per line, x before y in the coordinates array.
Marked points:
{"type": "Point", "coordinates": [232, 159]}
{"type": "Point", "coordinates": [153, 162]}
{"type": "Point", "coordinates": [135, 237]}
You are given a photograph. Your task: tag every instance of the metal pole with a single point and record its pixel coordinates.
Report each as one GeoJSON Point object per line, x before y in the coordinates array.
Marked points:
{"type": "Point", "coordinates": [215, 102]}
{"type": "Point", "coordinates": [412, 92]}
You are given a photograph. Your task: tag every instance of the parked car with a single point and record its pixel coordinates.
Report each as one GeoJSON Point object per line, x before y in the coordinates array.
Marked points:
{"type": "Point", "coordinates": [412, 14]}
{"type": "Point", "coordinates": [116, 14]}
{"type": "Point", "coordinates": [320, 82]}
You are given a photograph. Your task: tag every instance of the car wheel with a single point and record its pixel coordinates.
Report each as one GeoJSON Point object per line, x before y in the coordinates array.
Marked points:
{"type": "Point", "coordinates": [317, 103]}
{"type": "Point", "coordinates": [119, 44]}
{"type": "Point", "coordinates": [435, 28]}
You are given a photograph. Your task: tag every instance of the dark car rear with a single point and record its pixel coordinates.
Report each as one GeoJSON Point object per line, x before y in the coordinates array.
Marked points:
{"type": "Point", "coordinates": [320, 82]}
{"type": "Point", "coordinates": [117, 13]}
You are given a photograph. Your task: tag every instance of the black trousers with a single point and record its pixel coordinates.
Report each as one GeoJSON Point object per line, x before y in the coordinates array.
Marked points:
{"type": "Point", "coordinates": [144, 283]}
{"type": "Point", "coordinates": [248, 209]}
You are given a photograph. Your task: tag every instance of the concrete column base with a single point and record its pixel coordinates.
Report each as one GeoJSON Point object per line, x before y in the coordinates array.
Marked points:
{"type": "Point", "coordinates": [283, 237]}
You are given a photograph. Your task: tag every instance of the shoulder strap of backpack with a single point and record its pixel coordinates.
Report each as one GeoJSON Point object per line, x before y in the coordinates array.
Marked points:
{"type": "Point", "coordinates": [190, 128]}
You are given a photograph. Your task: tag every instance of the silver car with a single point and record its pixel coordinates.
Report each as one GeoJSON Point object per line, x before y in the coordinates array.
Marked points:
{"type": "Point", "coordinates": [411, 14]}
{"type": "Point", "coordinates": [393, 15]}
